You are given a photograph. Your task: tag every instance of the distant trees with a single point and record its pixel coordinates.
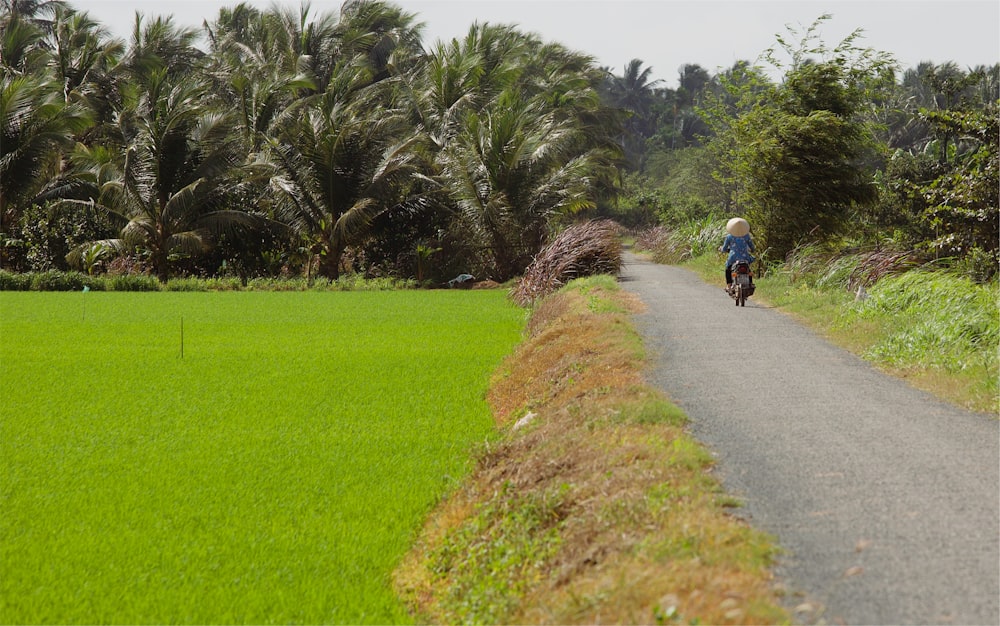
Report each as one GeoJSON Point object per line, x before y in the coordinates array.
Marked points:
{"type": "Point", "coordinates": [938, 187]}
{"type": "Point", "coordinates": [294, 137]}
{"type": "Point", "coordinates": [798, 155]}
{"type": "Point", "coordinates": [838, 150]}
{"type": "Point", "coordinates": [295, 140]}
{"type": "Point", "coordinates": [634, 93]}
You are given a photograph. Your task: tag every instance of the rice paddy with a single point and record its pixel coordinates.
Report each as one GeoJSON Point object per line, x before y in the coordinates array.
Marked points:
{"type": "Point", "coordinates": [271, 462]}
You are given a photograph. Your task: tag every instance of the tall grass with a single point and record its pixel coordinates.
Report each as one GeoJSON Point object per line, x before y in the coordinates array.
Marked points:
{"type": "Point", "coordinates": [683, 242]}
{"type": "Point", "coordinates": [274, 474]}
{"type": "Point", "coordinates": [938, 319]}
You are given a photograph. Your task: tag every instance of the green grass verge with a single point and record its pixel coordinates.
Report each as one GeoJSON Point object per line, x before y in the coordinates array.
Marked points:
{"type": "Point", "coordinates": [276, 473]}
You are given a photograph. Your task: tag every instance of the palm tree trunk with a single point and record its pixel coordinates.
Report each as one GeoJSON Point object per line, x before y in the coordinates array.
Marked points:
{"type": "Point", "coordinates": [160, 266]}
{"type": "Point", "coordinates": [329, 263]}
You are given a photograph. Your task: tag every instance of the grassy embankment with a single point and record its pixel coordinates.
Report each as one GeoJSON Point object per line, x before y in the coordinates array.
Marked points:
{"type": "Point", "coordinates": [277, 473]}
{"type": "Point", "coordinates": [939, 331]}
{"type": "Point", "coordinates": [594, 505]}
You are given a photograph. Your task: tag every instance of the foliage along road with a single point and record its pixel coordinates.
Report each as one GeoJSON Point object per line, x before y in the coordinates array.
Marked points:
{"type": "Point", "coordinates": [885, 500]}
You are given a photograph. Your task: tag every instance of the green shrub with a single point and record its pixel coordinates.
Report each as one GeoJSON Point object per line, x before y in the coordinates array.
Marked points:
{"type": "Point", "coordinates": [95, 283]}
{"type": "Point", "coordinates": [56, 280]}
{"type": "Point", "coordinates": [133, 282]}
{"type": "Point", "coordinates": [9, 281]}
{"type": "Point", "coordinates": [186, 284]}
{"type": "Point", "coordinates": [681, 243]}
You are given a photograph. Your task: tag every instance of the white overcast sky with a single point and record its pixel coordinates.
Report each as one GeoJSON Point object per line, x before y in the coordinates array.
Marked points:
{"type": "Point", "coordinates": [665, 34]}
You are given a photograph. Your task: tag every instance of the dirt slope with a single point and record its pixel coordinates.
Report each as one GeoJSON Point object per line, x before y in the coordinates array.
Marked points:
{"type": "Point", "coordinates": [886, 500]}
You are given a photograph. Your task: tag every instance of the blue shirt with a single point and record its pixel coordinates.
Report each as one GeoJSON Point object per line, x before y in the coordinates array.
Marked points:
{"type": "Point", "coordinates": [739, 249]}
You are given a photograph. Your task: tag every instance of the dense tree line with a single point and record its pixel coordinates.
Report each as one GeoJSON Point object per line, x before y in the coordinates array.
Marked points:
{"type": "Point", "coordinates": [288, 142]}
{"type": "Point", "coordinates": [845, 150]}
{"type": "Point", "coordinates": [294, 142]}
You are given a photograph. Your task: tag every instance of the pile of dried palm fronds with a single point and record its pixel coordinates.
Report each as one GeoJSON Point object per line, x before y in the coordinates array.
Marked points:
{"type": "Point", "coordinates": [581, 250]}
{"type": "Point", "coordinates": [652, 238]}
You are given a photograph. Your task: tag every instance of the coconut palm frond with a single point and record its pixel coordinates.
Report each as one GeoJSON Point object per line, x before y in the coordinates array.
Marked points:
{"type": "Point", "coordinates": [75, 256]}
{"type": "Point", "coordinates": [230, 223]}
{"type": "Point", "coordinates": [356, 220]}
{"type": "Point", "coordinates": [37, 125]}
{"type": "Point", "coordinates": [189, 243]}
{"type": "Point", "coordinates": [140, 231]}
{"type": "Point", "coordinates": [184, 204]}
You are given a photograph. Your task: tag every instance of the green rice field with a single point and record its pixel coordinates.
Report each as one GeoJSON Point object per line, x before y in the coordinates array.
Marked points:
{"type": "Point", "coordinates": [274, 473]}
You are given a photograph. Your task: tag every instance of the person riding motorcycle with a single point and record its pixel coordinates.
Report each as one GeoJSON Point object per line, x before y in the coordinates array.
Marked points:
{"type": "Point", "coordinates": [739, 245]}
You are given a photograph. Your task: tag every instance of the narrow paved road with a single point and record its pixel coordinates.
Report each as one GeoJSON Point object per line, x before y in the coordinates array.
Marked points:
{"type": "Point", "coordinates": [885, 500]}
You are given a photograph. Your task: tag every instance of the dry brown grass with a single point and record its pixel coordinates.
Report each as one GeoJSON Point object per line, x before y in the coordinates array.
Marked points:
{"type": "Point", "coordinates": [600, 509]}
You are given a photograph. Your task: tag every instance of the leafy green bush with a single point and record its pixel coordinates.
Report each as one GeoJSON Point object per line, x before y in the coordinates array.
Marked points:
{"type": "Point", "coordinates": [277, 284]}
{"type": "Point", "coordinates": [705, 235]}
{"type": "Point", "coordinates": [9, 281]}
{"type": "Point", "coordinates": [56, 280]}
{"type": "Point", "coordinates": [133, 282]}
{"type": "Point", "coordinates": [824, 266]}
{"type": "Point", "coordinates": [204, 284]}
{"type": "Point", "coordinates": [357, 282]}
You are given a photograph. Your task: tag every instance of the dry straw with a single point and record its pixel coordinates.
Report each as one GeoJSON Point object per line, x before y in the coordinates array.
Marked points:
{"type": "Point", "coordinates": [584, 249]}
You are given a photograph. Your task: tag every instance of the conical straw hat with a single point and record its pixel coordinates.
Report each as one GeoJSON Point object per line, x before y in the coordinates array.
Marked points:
{"type": "Point", "coordinates": [737, 227]}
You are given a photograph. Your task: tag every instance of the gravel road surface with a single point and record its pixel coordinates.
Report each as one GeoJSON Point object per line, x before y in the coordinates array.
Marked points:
{"type": "Point", "coordinates": [885, 501]}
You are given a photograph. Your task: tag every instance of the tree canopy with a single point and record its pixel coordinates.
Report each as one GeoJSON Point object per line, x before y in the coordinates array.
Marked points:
{"type": "Point", "coordinates": [284, 139]}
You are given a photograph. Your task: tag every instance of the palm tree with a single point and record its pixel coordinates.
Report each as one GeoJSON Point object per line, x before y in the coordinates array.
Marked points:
{"type": "Point", "coordinates": [520, 138]}
{"type": "Point", "coordinates": [464, 75]}
{"type": "Point", "coordinates": [633, 91]}
{"type": "Point", "coordinates": [511, 170]}
{"type": "Point", "coordinates": [37, 126]}
{"type": "Point", "coordinates": [171, 189]}
{"type": "Point", "coordinates": [82, 52]}
{"type": "Point", "coordinates": [248, 77]}
{"type": "Point", "coordinates": [31, 11]}
{"type": "Point", "coordinates": [296, 42]}
{"type": "Point", "coordinates": [22, 47]}
{"type": "Point", "coordinates": [160, 45]}
{"type": "Point", "coordinates": [266, 60]}
{"type": "Point", "coordinates": [445, 86]}
{"type": "Point", "coordinates": [381, 32]}
{"type": "Point", "coordinates": [342, 162]}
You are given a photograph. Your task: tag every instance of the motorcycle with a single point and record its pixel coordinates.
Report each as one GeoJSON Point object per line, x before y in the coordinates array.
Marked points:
{"type": "Point", "coordinates": [742, 286]}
